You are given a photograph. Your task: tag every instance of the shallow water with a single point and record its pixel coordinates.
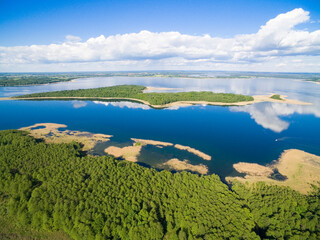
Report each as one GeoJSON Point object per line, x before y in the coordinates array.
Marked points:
{"type": "Point", "coordinates": [253, 133]}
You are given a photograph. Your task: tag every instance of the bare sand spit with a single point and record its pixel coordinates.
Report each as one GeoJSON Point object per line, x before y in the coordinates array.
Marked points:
{"type": "Point", "coordinates": [178, 165]}
{"type": "Point", "coordinates": [50, 133]}
{"type": "Point", "coordinates": [301, 169]}
{"type": "Point", "coordinates": [151, 142]}
{"type": "Point", "coordinates": [194, 151]}
{"type": "Point", "coordinates": [178, 146]}
{"type": "Point", "coordinates": [253, 169]}
{"type": "Point", "coordinates": [129, 153]}
{"type": "Point", "coordinates": [264, 98]}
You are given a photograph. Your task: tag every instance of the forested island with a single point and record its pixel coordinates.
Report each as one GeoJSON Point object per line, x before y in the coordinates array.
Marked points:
{"type": "Point", "coordinates": [135, 92]}
{"type": "Point", "coordinates": [156, 99]}
{"type": "Point", "coordinates": [50, 187]}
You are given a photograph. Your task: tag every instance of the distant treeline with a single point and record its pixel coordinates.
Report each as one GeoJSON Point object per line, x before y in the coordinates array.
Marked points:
{"type": "Point", "coordinates": [9, 80]}
{"type": "Point", "coordinates": [55, 187]}
{"type": "Point", "coordinates": [20, 79]}
{"type": "Point", "coordinates": [136, 92]}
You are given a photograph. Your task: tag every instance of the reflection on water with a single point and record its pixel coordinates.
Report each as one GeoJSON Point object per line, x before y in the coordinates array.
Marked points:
{"type": "Point", "coordinates": [78, 104]}
{"type": "Point", "coordinates": [268, 114]}
{"type": "Point", "coordinates": [124, 104]}
{"type": "Point", "coordinates": [300, 90]}
{"type": "Point", "coordinates": [227, 133]}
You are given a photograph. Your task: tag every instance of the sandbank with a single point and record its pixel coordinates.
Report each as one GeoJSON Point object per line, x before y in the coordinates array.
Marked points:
{"type": "Point", "coordinates": [151, 142]}
{"type": "Point", "coordinates": [50, 133]}
{"type": "Point", "coordinates": [178, 165]}
{"type": "Point", "coordinates": [301, 169]}
{"type": "Point", "coordinates": [194, 151]}
{"type": "Point", "coordinates": [129, 153]}
{"type": "Point", "coordinates": [253, 169]}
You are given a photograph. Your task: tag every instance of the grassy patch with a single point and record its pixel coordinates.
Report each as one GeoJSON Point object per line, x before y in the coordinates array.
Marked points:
{"type": "Point", "coordinates": [276, 96]}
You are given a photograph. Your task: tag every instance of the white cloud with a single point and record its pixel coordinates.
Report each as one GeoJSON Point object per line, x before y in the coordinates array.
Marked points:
{"type": "Point", "coordinates": [71, 38]}
{"type": "Point", "coordinates": [276, 39]}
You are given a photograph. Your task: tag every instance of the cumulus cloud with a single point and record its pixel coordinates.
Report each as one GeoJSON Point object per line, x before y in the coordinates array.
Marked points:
{"type": "Point", "coordinates": [71, 38]}
{"type": "Point", "coordinates": [277, 38]}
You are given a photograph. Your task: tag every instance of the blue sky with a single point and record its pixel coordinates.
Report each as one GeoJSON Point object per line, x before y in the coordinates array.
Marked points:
{"type": "Point", "coordinates": [41, 23]}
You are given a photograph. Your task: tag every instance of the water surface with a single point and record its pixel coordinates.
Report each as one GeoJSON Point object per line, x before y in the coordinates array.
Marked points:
{"type": "Point", "coordinates": [253, 133]}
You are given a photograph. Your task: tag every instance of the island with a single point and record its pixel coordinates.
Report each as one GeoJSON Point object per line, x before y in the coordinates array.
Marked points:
{"type": "Point", "coordinates": [156, 100]}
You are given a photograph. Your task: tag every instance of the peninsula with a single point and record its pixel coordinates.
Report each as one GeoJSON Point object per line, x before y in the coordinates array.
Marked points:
{"type": "Point", "coordinates": [297, 169]}
{"type": "Point", "coordinates": [51, 187]}
{"type": "Point", "coordinates": [156, 100]}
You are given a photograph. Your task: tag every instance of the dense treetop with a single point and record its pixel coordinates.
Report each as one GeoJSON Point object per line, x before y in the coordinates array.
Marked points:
{"type": "Point", "coordinates": [136, 92]}
{"type": "Point", "coordinates": [57, 187]}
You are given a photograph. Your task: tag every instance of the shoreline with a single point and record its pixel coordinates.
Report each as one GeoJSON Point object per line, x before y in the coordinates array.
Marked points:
{"type": "Point", "coordinates": [299, 170]}
{"type": "Point", "coordinates": [257, 99]}
{"type": "Point", "coordinates": [177, 165]}
{"type": "Point", "coordinates": [58, 133]}
{"type": "Point", "coordinates": [194, 151]}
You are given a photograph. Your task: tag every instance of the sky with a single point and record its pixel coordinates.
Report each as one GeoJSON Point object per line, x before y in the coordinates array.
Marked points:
{"type": "Point", "coordinates": [128, 35]}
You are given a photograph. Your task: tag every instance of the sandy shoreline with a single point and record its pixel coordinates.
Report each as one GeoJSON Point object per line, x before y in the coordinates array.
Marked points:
{"type": "Point", "coordinates": [151, 142]}
{"type": "Point", "coordinates": [178, 146]}
{"type": "Point", "coordinates": [50, 133]}
{"type": "Point", "coordinates": [300, 168]}
{"type": "Point", "coordinates": [178, 165]}
{"type": "Point", "coordinates": [129, 153]}
{"type": "Point", "coordinates": [257, 99]}
{"type": "Point", "coordinates": [253, 169]}
{"type": "Point", "coordinates": [194, 151]}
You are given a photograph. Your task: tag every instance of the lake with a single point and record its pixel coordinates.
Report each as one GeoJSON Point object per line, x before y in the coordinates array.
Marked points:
{"type": "Point", "coordinates": [254, 133]}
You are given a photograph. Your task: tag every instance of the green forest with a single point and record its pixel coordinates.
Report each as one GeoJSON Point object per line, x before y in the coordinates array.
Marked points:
{"type": "Point", "coordinates": [59, 188]}
{"type": "Point", "coordinates": [21, 80]}
{"type": "Point", "coordinates": [136, 92]}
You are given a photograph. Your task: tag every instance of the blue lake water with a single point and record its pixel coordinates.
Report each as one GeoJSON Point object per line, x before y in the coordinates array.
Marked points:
{"type": "Point", "coordinates": [253, 133]}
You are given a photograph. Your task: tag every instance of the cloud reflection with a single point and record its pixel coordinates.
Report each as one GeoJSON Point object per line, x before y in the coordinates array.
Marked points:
{"type": "Point", "coordinates": [78, 104]}
{"type": "Point", "coordinates": [268, 114]}
{"type": "Point", "coordinates": [124, 104]}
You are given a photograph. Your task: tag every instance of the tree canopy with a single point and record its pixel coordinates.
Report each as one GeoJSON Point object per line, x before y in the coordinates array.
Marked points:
{"type": "Point", "coordinates": [56, 187]}
{"type": "Point", "coordinates": [136, 92]}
